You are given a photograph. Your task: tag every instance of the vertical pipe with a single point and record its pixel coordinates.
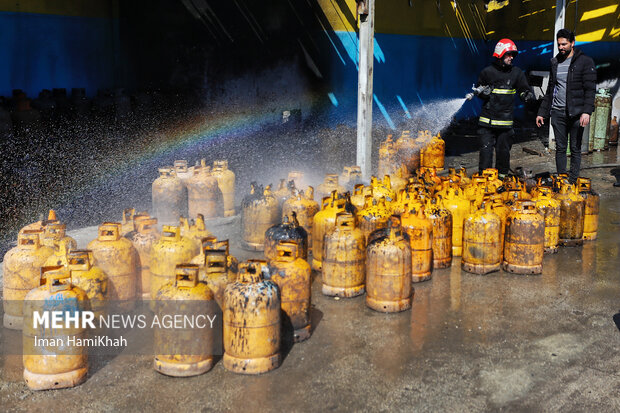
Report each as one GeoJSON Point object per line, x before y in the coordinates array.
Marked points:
{"type": "Point", "coordinates": [364, 90]}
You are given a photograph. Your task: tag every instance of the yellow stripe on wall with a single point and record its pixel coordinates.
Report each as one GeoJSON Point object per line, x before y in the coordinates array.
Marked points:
{"type": "Point", "coordinates": [77, 8]}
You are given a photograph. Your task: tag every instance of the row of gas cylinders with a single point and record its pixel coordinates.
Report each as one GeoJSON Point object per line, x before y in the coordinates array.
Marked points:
{"type": "Point", "coordinates": [181, 190]}
{"type": "Point", "coordinates": [448, 216]}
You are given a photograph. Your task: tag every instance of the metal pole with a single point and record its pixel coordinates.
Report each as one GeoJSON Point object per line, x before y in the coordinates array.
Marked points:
{"type": "Point", "coordinates": [560, 14]}
{"type": "Point", "coordinates": [364, 90]}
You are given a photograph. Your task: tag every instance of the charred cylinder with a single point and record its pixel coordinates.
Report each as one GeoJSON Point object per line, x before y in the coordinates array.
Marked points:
{"type": "Point", "coordinates": [288, 230]}
{"type": "Point", "coordinates": [184, 351]}
{"type": "Point", "coordinates": [252, 322]}
{"type": "Point", "coordinates": [388, 269]}
{"type": "Point", "coordinates": [441, 220]}
{"type": "Point", "coordinates": [572, 214]}
{"type": "Point", "coordinates": [304, 205]}
{"type": "Point", "coordinates": [408, 151]}
{"type": "Point", "coordinates": [259, 211]}
{"type": "Point", "coordinates": [292, 274]}
{"type": "Point", "coordinates": [524, 246]}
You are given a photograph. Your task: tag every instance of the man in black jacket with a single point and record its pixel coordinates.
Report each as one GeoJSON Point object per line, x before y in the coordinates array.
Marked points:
{"type": "Point", "coordinates": [497, 86]}
{"type": "Point", "coordinates": [569, 101]}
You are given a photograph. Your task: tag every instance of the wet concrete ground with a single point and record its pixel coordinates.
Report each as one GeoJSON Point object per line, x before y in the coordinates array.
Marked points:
{"type": "Point", "coordinates": [469, 343]}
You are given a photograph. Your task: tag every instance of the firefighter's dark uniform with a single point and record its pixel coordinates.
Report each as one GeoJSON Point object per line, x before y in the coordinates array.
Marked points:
{"type": "Point", "coordinates": [496, 118]}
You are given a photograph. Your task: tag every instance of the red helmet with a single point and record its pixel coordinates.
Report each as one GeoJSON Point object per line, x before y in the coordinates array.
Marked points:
{"type": "Point", "coordinates": [503, 46]}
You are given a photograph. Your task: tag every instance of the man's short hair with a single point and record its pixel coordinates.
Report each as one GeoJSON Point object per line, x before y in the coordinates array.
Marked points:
{"type": "Point", "coordinates": [566, 34]}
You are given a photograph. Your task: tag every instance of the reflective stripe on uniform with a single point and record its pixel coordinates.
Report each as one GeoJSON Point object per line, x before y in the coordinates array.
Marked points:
{"type": "Point", "coordinates": [495, 122]}
{"type": "Point", "coordinates": [504, 91]}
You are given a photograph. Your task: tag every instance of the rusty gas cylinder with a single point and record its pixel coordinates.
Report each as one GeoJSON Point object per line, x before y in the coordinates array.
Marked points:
{"type": "Point", "coordinates": [41, 223]}
{"type": "Point", "coordinates": [213, 244]}
{"type": "Point", "coordinates": [203, 194]}
{"type": "Point", "coordinates": [252, 322]}
{"type": "Point", "coordinates": [549, 208]}
{"type": "Point", "coordinates": [420, 231]}
{"type": "Point", "coordinates": [226, 181]}
{"type": "Point", "coordinates": [344, 258]}
{"type": "Point", "coordinates": [433, 154]}
{"type": "Point", "coordinates": [57, 363]}
{"type": "Point", "coordinates": [292, 274]}
{"type": "Point", "coordinates": [21, 269]}
{"type": "Point", "coordinates": [458, 206]}
{"type": "Point", "coordinates": [408, 151]}
{"type": "Point", "coordinates": [502, 211]}
{"type": "Point", "coordinates": [525, 240]}
{"type": "Point", "coordinates": [259, 211]}
{"type": "Point", "coordinates": [216, 272]}
{"type": "Point", "coordinates": [388, 157]}
{"type": "Point", "coordinates": [184, 351]}
{"type": "Point", "coordinates": [388, 270]}
{"type": "Point", "coordinates": [288, 230]}
{"type": "Point", "coordinates": [169, 251]}
{"type": "Point", "coordinates": [382, 189]}
{"type": "Point", "coordinates": [194, 230]}
{"type": "Point", "coordinates": [131, 228]}
{"type": "Point", "coordinates": [572, 214]}
{"type": "Point", "coordinates": [323, 221]}
{"type": "Point", "coordinates": [492, 176]}
{"type": "Point", "coordinates": [56, 232]}
{"type": "Point", "coordinates": [304, 205]}
{"type": "Point", "coordinates": [146, 235]}
{"type": "Point", "coordinates": [182, 170]}
{"type": "Point", "coordinates": [441, 220]}
{"type": "Point", "coordinates": [350, 176]}
{"type": "Point", "coordinates": [330, 184]}
{"type": "Point", "coordinates": [127, 224]}
{"type": "Point", "coordinates": [481, 241]}
{"type": "Point", "coordinates": [358, 198]}
{"type": "Point", "coordinates": [373, 216]}
{"type": "Point", "coordinates": [90, 278]}
{"type": "Point", "coordinates": [298, 179]}
{"type": "Point", "coordinates": [398, 181]}
{"type": "Point", "coordinates": [590, 219]}
{"type": "Point", "coordinates": [119, 260]}
{"type": "Point", "coordinates": [169, 196]}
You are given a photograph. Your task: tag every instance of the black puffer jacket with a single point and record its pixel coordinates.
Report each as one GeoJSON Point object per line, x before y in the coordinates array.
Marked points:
{"type": "Point", "coordinates": [505, 82]}
{"type": "Point", "coordinates": [580, 86]}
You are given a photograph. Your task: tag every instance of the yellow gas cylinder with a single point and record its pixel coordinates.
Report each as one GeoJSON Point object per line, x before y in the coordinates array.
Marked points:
{"type": "Point", "coordinates": [323, 221]}
{"type": "Point", "coordinates": [131, 229]}
{"type": "Point", "coordinates": [298, 178]}
{"type": "Point", "coordinates": [476, 189]}
{"type": "Point", "coordinates": [203, 194]}
{"type": "Point", "coordinates": [169, 196]}
{"type": "Point", "coordinates": [213, 244]}
{"type": "Point", "coordinates": [408, 151]}
{"type": "Point", "coordinates": [492, 176]}
{"type": "Point", "coordinates": [259, 211]}
{"type": "Point", "coordinates": [388, 157]}
{"type": "Point", "coordinates": [572, 214]}
{"type": "Point", "coordinates": [284, 192]}
{"type": "Point", "coordinates": [373, 216]}
{"type": "Point", "coordinates": [169, 251]}
{"type": "Point", "coordinates": [433, 154]}
{"type": "Point", "coordinates": [195, 231]}
{"type": "Point", "coordinates": [558, 181]}
{"type": "Point", "coordinates": [525, 240]}
{"type": "Point", "coordinates": [443, 192]}
{"type": "Point", "coordinates": [330, 184]}
{"type": "Point", "coordinates": [226, 181]}
{"type": "Point", "coordinates": [41, 223]}
{"type": "Point", "coordinates": [292, 274]}
{"type": "Point", "coordinates": [359, 195]}
{"type": "Point", "coordinates": [398, 180]}
{"type": "Point", "coordinates": [146, 235]}
{"type": "Point", "coordinates": [184, 351]}
{"type": "Point", "coordinates": [127, 221]}
{"type": "Point", "coordinates": [441, 220]}
{"type": "Point", "coordinates": [21, 269]}
{"type": "Point", "coordinates": [549, 208]}
{"type": "Point", "coordinates": [344, 258]}
{"type": "Point", "coordinates": [481, 241]}
{"type": "Point", "coordinates": [590, 220]}
{"type": "Point", "coordinates": [119, 260]}
{"type": "Point", "coordinates": [59, 257]}
{"type": "Point", "coordinates": [502, 211]}
{"type": "Point", "coordinates": [388, 270]}
{"type": "Point", "coordinates": [405, 201]}
{"type": "Point", "coordinates": [59, 361]}
{"type": "Point", "coordinates": [458, 206]}
{"type": "Point", "coordinates": [288, 230]}
{"type": "Point", "coordinates": [420, 231]}
{"type": "Point", "coordinates": [56, 232]}
{"type": "Point", "coordinates": [304, 205]}
{"type": "Point", "coordinates": [216, 273]}
{"type": "Point", "coordinates": [252, 322]}
{"type": "Point", "coordinates": [90, 278]}
{"type": "Point", "coordinates": [350, 176]}
{"type": "Point", "coordinates": [430, 178]}
{"type": "Point", "coordinates": [517, 194]}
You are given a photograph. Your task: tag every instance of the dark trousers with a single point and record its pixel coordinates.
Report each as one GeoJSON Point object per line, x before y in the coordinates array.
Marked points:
{"type": "Point", "coordinates": [563, 127]}
{"type": "Point", "coordinates": [499, 140]}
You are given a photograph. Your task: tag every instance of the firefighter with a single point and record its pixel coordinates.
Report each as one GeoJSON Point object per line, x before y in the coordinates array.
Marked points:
{"type": "Point", "coordinates": [497, 86]}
